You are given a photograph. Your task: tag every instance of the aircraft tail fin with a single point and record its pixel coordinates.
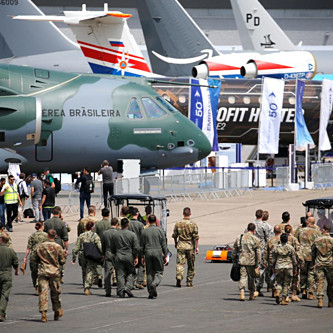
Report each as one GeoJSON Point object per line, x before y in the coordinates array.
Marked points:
{"type": "Point", "coordinates": [257, 29]}
{"type": "Point", "coordinates": [173, 39]}
{"type": "Point", "coordinates": [105, 40]}
{"type": "Point", "coordinates": [20, 39]}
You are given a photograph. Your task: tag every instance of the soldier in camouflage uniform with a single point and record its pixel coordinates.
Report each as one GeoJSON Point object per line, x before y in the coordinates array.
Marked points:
{"type": "Point", "coordinates": [248, 247]}
{"type": "Point", "coordinates": [268, 258]}
{"type": "Point", "coordinates": [284, 262]}
{"type": "Point", "coordinates": [51, 257]}
{"type": "Point", "coordinates": [34, 240]}
{"type": "Point", "coordinates": [89, 267]}
{"type": "Point", "coordinates": [81, 226]}
{"type": "Point", "coordinates": [285, 222]}
{"type": "Point", "coordinates": [154, 249]}
{"type": "Point", "coordinates": [125, 249]}
{"type": "Point", "coordinates": [300, 262]}
{"type": "Point", "coordinates": [306, 238]}
{"type": "Point", "coordinates": [186, 237]}
{"type": "Point", "coordinates": [264, 232]}
{"type": "Point", "coordinates": [109, 260]}
{"type": "Point", "coordinates": [8, 259]}
{"type": "Point", "coordinates": [322, 256]}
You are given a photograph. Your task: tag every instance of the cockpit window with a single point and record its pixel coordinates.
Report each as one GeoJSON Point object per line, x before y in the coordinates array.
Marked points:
{"type": "Point", "coordinates": [153, 110]}
{"type": "Point", "coordinates": [134, 110]}
{"type": "Point", "coordinates": [166, 104]}
{"type": "Point", "coordinates": [42, 73]}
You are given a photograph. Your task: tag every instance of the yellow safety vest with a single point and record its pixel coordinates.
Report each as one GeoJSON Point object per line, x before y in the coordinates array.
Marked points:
{"type": "Point", "coordinates": [11, 194]}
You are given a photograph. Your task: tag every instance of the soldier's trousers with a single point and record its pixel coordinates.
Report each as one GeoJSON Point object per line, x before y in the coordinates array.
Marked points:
{"type": "Point", "coordinates": [44, 284]}
{"type": "Point", "coordinates": [5, 288]}
{"type": "Point", "coordinates": [321, 273]}
{"type": "Point", "coordinates": [108, 272]}
{"type": "Point", "coordinates": [184, 256]}
{"type": "Point", "coordinates": [283, 278]}
{"type": "Point", "coordinates": [247, 275]}
{"type": "Point", "coordinates": [295, 282]}
{"type": "Point", "coordinates": [154, 268]}
{"type": "Point", "coordinates": [308, 277]}
{"type": "Point", "coordinates": [140, 272]}
{"type": "Point", "coordinates": [34, 269]}
{"type": "Point", "coordinates": [125, 270]}
{"type": "Point", "coordinates": [261, 279]}
{"type": "Point", "coordinates": [91, 269]}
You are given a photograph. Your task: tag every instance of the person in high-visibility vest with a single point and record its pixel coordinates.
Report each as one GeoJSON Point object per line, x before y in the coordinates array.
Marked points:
{"type": "Point", "coordinates": [12, 200]}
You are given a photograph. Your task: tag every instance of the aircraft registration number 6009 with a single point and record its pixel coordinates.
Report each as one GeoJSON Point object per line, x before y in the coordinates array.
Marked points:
{"type": "Point", "coordinates": [8, 2]}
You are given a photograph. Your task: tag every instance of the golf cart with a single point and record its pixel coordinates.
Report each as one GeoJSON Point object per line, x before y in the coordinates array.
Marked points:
{"type": "Point", "coordinates": [322, 210]}
{"type": "Point", "coordinates": [158, 205]}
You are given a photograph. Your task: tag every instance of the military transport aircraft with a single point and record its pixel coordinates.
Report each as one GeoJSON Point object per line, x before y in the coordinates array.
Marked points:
{"type": "Point", "coordinates": [72, 120]}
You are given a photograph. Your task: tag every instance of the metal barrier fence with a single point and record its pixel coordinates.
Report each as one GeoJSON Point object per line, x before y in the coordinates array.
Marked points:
{"type": "Point", "coordinates": [189, 186]}
{"type": "Point", "coordinates": [322, 175]}
{"type": "Point", "coordinates": [193, 184]}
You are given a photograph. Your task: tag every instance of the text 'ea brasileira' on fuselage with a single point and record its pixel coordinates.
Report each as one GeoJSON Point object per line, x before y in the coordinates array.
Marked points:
{"type": "Point", "coordinates": [54, 117]}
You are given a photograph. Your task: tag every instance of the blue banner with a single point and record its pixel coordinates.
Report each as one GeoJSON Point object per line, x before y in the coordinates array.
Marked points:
{"type": "Point", "coordinates": [303, 137]}
{"type": "Point", "coordinates": [203, 107]}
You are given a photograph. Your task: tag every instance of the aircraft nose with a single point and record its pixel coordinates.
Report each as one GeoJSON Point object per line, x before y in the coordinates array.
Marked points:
{"type": "Point", "coordinates": [203, 145]}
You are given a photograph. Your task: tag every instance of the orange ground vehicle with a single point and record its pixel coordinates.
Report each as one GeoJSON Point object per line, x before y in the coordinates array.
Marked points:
{"type": "Point", "coordinates": [220, 253]}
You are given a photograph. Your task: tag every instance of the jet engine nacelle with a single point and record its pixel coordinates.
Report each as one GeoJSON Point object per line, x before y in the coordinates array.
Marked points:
{"type": "Point", "coordinates": [20, 121]}
{"type": "Point", "coordinates": [284, 65]}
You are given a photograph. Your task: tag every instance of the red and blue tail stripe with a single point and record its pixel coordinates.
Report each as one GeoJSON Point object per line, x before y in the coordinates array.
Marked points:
{"type": "Point", "coordinates": [117, 44]}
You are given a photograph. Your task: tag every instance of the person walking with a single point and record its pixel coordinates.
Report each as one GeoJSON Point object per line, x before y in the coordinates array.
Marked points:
{"type": "Point", "coordinates": [322, 256]}
{"type": "Point", "coordinates": [48, 200]}
{"type": "Point", "coordinates": [38, 237]}
{"type": "Point", "coordinates": [285, 267]}
{"type": "Point", "coordinates": [51, 257]}
{"type": "Point", "coordinates": [109, 260]}
{"type": "Point", "coordinates": [155, 252]}
{"type": "Point", "coordinates": [248, 247]}
{"type": "Point", "coordinates": [88, 266]}
{"type": "Point", "coordinates": [36, 193]}
{"type": "Point", "coordinates": [86, 188]}
{"type": "Point", "coordinates": [24, 194]}
{"type": "Point", "coordinates": [81, 226]}
{"type": "Point", "coordinates": [12, 201]}
{"type": "Point", "coordinates": [107, 172]}
{"type": "Point", "coordinates": [8, 259]}
{"type": "Point", "coordinates": [125, 249]}
{"type": "Point", "coordinates": [186, 237]}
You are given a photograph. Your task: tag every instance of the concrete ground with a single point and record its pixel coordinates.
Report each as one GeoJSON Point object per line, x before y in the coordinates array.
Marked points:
{"type": "Point", "coordinates": [212, 305]}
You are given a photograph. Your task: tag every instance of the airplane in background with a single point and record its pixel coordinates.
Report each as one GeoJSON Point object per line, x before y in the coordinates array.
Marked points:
{"type": "Point", "coordinates": [28, 43]}
{"type": "Point", "coordinates": [109, 47]}
{"type": "Point", "coordinates": [258, 31]}
{"type": "Point", "coordinates": [105, 40]}
{"type": "Point", "coordinates": [72, 120]}
{"type": "Point", "coordinates": [186, 43]}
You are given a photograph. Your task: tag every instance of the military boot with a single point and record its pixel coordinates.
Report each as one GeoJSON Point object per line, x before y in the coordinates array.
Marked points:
{"type": "Point", "coordinates": [294, 297]}
{"type": "Point", "coordinates": [255, 294]}
{"type": "Point", "coordinates": [330, 304]}
{"type": "Point", "coordinates": [179, 283]}
{"type": "Point", "coordinates": [320, 303]}
{"type": "Point", "coordinates": [311, 296]}
{"type": "Point", "coordinates": [260, 293]}
{"type": "Point", "coordinates": [277, 296]}
{"type": "Point", "coordinates": [252, 297]}
{"type": "Point", "coordinates": [288, 299]}
{"type": "Point", "coordinates": [87, 292]}
{"type": "Point", "coordinates": [242, 295]}
{"type": "Point", "coordinates": [44, 317]}
{"type": "Point", "coordinates": [58, 314]}
{"type": "Point", "coordinates": [304, 294]}
{"type": "Point", "coordinates": [284, 300]}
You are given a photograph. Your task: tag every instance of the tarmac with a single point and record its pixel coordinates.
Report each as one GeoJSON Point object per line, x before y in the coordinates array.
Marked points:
{"type": "Point", "coordinates": [212, 305]}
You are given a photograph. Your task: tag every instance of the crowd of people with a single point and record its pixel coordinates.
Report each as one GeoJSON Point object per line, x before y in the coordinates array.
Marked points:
{"type": "Point", "coordinates": [288, 260]}
{"type": "Point", "coordinates": [131, 248]}
{"type": "Point", "coordinates": [14, 193]}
